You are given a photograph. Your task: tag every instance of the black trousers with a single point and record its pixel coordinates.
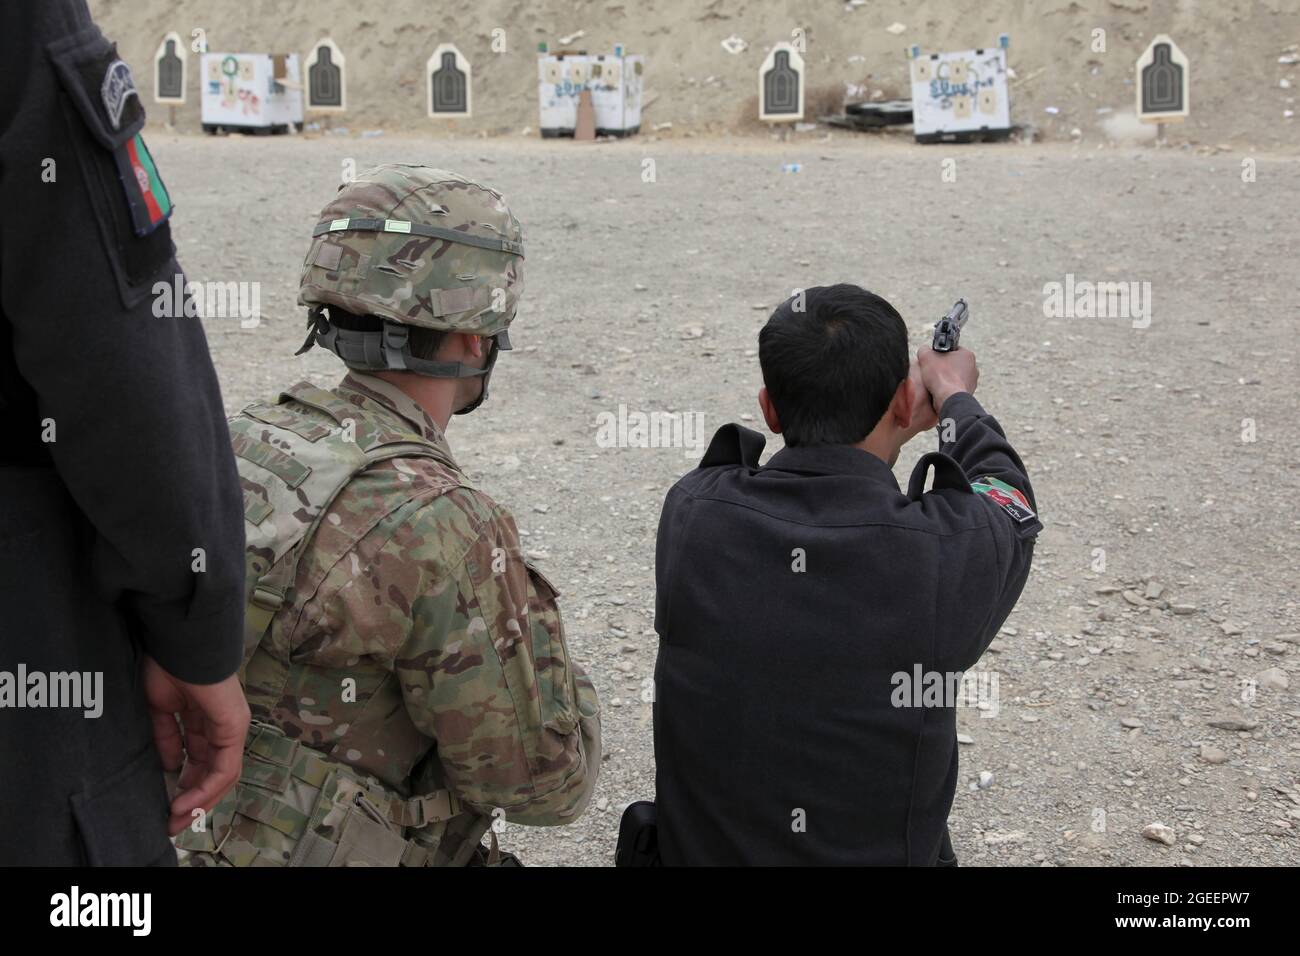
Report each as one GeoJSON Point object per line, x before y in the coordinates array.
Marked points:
{"type": "Point", "coordinates": [74, 789]}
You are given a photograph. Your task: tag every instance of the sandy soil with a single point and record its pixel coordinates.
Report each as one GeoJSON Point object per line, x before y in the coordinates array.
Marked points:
{"type": "Point", "coordinates": [651, 294]}
{"type": "Point", "coordinates": [1237, 92]}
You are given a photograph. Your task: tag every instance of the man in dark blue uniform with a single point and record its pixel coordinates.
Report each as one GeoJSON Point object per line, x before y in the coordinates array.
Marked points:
{"type": "Point", "coordinates": [121, 521]}
{"type": "Point", "coordinates": [814, 620]}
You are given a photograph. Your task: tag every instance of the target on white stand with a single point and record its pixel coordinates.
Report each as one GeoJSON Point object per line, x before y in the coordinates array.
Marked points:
{"type": "Point", "coordinates": [326, 78]}
{"type": "Point", "coordinates": [170, 71]}
{"type": "Point", "coordinates": [781, 85]}
{"type": "Point", "coordinates": [450, 83]}
{"type": "Point", "coordinates": [1161, 81]}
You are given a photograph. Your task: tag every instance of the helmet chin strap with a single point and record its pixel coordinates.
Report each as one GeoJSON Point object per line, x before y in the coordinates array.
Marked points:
{"type": "Point", "coordinates": [388, 349]}
{"type": "Point", "coordinates": [486, 372]}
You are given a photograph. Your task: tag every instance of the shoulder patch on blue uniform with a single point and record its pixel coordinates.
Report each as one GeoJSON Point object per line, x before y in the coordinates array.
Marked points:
{"type": "Point", "coordinates": [1009, 499]}
{"type": "Point", "coordinates": [117, 87]}
{"type": "Point", "coordinates": [147, 198]}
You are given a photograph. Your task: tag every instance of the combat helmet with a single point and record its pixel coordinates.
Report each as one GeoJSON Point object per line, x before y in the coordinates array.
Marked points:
{"type": "Point", "coordinates": [413, 246]}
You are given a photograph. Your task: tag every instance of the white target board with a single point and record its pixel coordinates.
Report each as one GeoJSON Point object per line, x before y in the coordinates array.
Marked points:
{"type": "Point", "coordinates": [961, 92]}
{"type": "Point", "coordinates": [249, 90]}
{"type": "Point", "coordinates": [170, 71]}
{"type": "Point", "coordinates": [615, 83]}
{"type": "Point", "coordinates": [781, 85]}
{"type": "Point", "coordinates": [560, 81]}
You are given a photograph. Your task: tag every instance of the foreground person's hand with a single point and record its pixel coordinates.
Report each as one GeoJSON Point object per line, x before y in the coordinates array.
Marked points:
{"type": "Point", "coordinates": [208, 740]}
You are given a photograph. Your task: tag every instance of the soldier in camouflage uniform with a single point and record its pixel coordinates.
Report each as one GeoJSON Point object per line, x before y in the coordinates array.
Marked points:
{"type": "Point", "coordinates": [405, 665]}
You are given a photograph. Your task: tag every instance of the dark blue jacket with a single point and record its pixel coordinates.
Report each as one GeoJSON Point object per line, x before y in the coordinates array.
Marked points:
{"type": "Point", "coordinates": [790, 599]}
{"type": "Point", "coordinates": [98, 526]}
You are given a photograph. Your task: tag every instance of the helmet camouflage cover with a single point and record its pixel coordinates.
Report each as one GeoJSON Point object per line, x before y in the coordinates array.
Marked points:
{"type": "Point", "coordinates": [419, 246]}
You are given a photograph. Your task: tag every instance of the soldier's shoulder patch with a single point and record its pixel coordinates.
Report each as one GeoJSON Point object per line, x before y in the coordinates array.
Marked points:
{"type": "Point", "coordinates": [1009, 499]}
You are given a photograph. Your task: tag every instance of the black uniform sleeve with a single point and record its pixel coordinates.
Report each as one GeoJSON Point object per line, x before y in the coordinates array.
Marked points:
{"type": "Point", "coordinates": [129, 398]}
{"type": "Point", "coordinates": [979, 445]}
{"type": "Point", "coordinates": [983, 586]}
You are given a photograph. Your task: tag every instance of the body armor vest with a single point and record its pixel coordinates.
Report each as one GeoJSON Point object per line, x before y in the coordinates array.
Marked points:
{"type": "Point", "coordinates": [295, 805]}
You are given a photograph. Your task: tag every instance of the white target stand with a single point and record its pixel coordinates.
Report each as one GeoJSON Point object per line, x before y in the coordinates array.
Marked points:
{"type": "Point", "coordinates": [1161, 82]}
{"type": "Point", "coordinates": [325, 78]}
{"type": "Point", "coordinates": [781, 85]}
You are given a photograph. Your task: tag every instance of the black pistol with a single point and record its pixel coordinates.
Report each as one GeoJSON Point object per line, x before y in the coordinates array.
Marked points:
{"type": "Point", "coordinates": [947, 331]}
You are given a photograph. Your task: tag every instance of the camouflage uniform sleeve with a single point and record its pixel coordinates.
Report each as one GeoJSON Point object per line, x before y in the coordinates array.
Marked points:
{"type": "Point", "coordinates": [486, 672]}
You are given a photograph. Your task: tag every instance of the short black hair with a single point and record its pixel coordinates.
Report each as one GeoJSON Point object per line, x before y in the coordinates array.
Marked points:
{"type": "Point", "coordinates": [424, 343]}
{"type": "Point", "coordinates": [832, 358]}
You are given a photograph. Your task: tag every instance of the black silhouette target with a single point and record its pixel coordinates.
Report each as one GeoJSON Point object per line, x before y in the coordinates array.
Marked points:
{"type": "Point", "coordinates": [171, 73]}
{"type": "Point", "coordinates": [1162, 83]}
{"type": "Point", "coordinates": [325, 80]}
{"type": "Point", "coordinates": [781, 86]}
{"type": "Point", "coordinates": [450, 87]}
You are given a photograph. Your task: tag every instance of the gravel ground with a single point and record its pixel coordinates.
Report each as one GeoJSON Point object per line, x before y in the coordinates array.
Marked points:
{"type": "Point", "coordinates": [1162, 600]}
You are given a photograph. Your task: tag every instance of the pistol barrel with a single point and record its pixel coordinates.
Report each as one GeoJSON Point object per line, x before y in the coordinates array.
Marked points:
{"type": "Point", "coordinates": [947, 331]}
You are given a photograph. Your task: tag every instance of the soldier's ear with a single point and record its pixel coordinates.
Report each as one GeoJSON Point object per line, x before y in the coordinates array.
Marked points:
{"type": "Point", "coordinates": [471, 344]}
{"type": "Point", "coordinates": [769, 412]}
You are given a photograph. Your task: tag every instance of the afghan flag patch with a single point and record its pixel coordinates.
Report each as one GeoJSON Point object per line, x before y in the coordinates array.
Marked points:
{"type": "Point", "coordinates": [146, 196]}
{"type": "Point", "coordinates": [1009, 499]}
